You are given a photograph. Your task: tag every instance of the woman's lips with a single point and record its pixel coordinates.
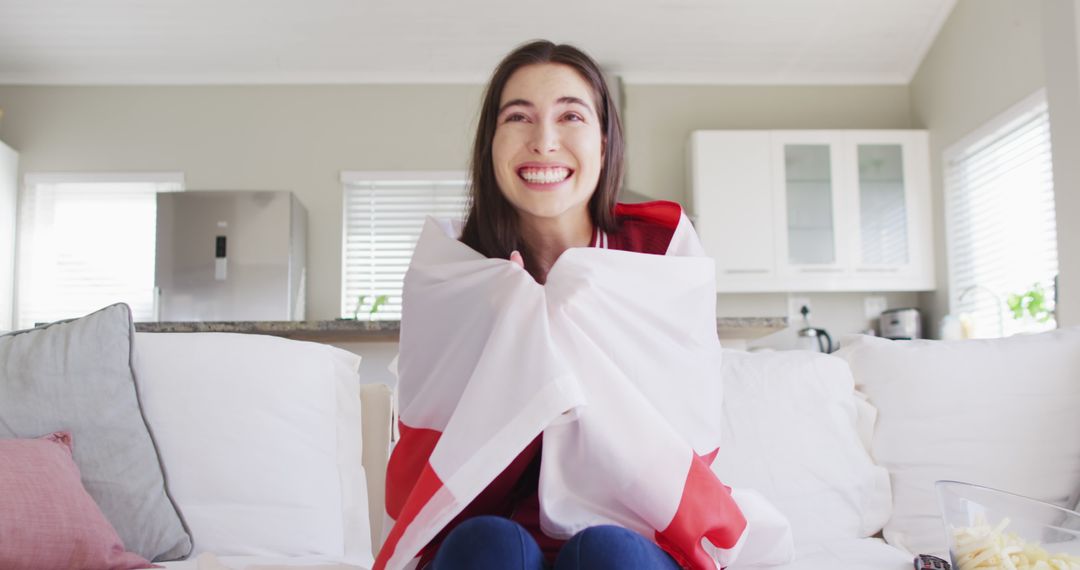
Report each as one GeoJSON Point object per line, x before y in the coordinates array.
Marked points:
{"type": "Point", "coordinates": [544, 176]}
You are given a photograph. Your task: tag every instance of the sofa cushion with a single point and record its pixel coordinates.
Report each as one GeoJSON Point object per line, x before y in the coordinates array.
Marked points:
{"type": "Point", "coordinates": [76, 376]}
{"type": "Point", "coordinates": [49, 521]}
{"type": "Point", "coordinates": [1004, 413]}
{"type": "Point", "coordinates": [261, 437]}
{"type": "Point", "coordinates": [791, 432]}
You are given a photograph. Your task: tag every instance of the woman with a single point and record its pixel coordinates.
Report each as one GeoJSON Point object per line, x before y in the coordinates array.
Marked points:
{"type": "Point", "coordinates": [547, 165]}
{"type": "Point", "coordinates": [545, 172]}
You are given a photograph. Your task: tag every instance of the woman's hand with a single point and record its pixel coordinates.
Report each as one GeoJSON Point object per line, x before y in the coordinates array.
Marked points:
{"type": "Point", "coordinates": [515, 257]}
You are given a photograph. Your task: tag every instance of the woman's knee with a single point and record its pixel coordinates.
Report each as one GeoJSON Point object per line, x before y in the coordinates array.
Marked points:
{"type": "Point", "coordinates": [488, 542]}
{"type": "Point", "coordinates": [611, 547]}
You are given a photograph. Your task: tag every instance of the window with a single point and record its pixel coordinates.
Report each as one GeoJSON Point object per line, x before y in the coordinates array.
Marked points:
{"type": "Point", "coordinates": [383, 215]}
{"type": "Point", "coordinates": [87, 241]}
{"type": "Point", "coordinates": [1001, 232]}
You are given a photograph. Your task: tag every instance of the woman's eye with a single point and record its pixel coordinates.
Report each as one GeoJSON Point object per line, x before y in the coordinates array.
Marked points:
{"type": "Point", "coordinates": [514, 117]}
{"type": "Point", "coordinates": [573, 117]}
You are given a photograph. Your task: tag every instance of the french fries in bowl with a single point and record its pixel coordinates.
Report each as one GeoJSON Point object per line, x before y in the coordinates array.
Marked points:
{"type": "Point", "coordinates": [988, 529]}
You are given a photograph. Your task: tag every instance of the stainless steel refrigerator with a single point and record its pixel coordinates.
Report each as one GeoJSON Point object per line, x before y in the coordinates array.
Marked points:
{"type": "Point", "coordinates": [230, 256]}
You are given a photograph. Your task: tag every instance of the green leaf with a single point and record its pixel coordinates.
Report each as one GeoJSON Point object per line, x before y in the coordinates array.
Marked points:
{"type": "Point", "coordinates": [359, 303]}
{"type": "Point", "coordinates": [378, 303]}
{"type": "Point", "coordinates": [1032, 302]}
{"type": "Point", "coordinates": [1016, 305]}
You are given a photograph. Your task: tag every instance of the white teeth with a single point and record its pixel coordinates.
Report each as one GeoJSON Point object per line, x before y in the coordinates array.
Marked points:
{"type": "Point", "coordinates": [544, 175]}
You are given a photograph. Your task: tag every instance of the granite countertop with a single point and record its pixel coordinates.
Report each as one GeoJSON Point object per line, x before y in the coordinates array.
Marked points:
{"type": "Point", "coordinates": [326, 331]}
{"type": "Point", "coordinates": [748, 328]}
{"type": "Point", "coordinates": [344, 330]}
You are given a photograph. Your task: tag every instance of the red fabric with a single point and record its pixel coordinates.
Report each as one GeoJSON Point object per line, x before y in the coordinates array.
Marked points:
{"type": "Point", "coordinates": [427, 484]}
{"type": "Point", "coordinates": [502, 497]}
{"type": "Point", "coordinates": [408, 461]}
{"type": "Point", "coordinates": [645, 228]}
{"type": "Point", "coordinates": [706, 503]}
{"type": "Point", "coordinates": [47, 519]}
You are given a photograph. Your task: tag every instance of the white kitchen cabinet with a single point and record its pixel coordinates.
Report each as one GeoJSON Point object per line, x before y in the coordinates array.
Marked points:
{"type": "Point", "coordinates": [736, 222]}
{"type": "Point", "coordinates": [891, 208]}
{"type": "Point", "coordinates": [814, 210]}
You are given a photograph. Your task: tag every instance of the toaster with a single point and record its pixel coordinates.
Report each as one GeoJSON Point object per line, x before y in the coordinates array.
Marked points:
{"type": "Point", "coordinates": [901, 324]}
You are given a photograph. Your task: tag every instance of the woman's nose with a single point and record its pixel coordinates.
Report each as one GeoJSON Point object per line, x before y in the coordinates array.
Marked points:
{"type": "Point", "coordinates": [545, 139]}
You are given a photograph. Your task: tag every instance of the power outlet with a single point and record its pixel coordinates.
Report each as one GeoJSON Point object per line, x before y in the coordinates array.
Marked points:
{"type": "Point", "coordinates": [874, 306]}
{"type": "Point", "coordinates": [795, 305]}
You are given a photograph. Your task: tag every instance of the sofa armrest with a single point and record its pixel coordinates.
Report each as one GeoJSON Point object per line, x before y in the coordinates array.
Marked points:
{"type": "Point", "coordinates": [377, 413]}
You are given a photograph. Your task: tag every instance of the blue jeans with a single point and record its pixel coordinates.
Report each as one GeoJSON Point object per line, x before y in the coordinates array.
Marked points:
{"type": "Point", "coordinates": [496, 543]}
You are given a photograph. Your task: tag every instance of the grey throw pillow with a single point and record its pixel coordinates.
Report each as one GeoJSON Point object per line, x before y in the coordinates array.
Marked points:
{"type": "Point", "coordinates": [76, 376]}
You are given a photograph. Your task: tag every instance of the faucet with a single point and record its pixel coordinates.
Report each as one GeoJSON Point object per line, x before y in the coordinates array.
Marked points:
{"type": "Point", "coordinates": [1001, 315]}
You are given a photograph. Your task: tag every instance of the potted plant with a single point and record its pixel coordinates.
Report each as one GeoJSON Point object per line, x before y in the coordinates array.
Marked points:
{"type": "Point", "coordinates": [377, 302]}
{"type": "Point", "coordinates": [1033, 304]}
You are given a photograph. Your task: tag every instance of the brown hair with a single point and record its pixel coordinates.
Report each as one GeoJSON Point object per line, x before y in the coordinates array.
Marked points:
{"type": "Point", "coordinates": [491, 226]}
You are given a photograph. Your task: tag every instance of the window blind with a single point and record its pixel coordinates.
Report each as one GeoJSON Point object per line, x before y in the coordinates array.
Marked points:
{"type": "Point", "coordinates": [86, 242]}
{"type": "Point", "coordinates": [383, 216]}
{"type": "Point", "coordinates": [1001, 230]}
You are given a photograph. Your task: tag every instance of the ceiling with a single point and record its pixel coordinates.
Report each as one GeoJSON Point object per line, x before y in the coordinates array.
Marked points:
{"type": "Point", "coordinates": [65, 42]}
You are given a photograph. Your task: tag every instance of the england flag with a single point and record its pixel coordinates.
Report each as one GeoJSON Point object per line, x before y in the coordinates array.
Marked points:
{"type": "Point", "coordinates": [614, 360]}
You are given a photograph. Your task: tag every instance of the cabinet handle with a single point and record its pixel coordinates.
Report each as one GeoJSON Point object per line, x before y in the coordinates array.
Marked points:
{"type": "Point", "coordinates": [877, 269]}
{"type": "Point", "coordinates": [821, 269]}
{"type": "Point", "coordinates": [745, 271]}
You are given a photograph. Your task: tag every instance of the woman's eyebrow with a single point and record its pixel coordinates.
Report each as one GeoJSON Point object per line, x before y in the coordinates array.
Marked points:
{"type": "Point", "coordinates": [513, 102]}
{"type": "Point", "coordinates": [570, 100]}
{"type": "Point", "coordinates": [566, 100]}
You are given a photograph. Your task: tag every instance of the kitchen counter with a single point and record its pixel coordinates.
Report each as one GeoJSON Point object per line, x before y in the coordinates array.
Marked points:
{"type": "Point", "coordinates": [342, 330]}
{"type": "Point", "coordinates": [338, 330]}
{"type": "Point", "coordinates": [749, 328]}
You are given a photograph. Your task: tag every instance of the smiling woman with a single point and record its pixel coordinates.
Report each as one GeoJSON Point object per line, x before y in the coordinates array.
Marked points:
{"type": "Point", "coordinates": [547, 159]}
{"type": "Point", "coordinates": [547, 155]}
{"type": "Point", "coordinates": [545, 173]}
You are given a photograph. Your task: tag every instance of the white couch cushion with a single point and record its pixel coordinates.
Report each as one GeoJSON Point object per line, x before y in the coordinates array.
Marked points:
{"type": "Point", "coordinates": [845, 554]}
{"type": "Point", "coordinates": [1004, 413]}
{"type": "Point", "coordinates": [791, 432]}
{"type": "Point", "coordinates": [261, 442]}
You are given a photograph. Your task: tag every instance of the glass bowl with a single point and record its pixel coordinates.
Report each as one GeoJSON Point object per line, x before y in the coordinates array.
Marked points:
{"type": "Point", "coordinates": [988, 529]}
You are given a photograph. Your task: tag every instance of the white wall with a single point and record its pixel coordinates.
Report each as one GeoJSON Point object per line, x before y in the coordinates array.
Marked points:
{"type": "Point", "coordinates": [1061, 25]}
{"type": "Point", "coordinates": [299, 138]}
{"type": "Point", "coordinates": [838, 313]}
{"type": "Point", "coordinates": [660, 118]}
{"type": "Point", "coordinates": [987, 57]}
{"type": "Point", "coordinates": [9, 164]}
{"type": "Point", "coordinates": [296, 138]}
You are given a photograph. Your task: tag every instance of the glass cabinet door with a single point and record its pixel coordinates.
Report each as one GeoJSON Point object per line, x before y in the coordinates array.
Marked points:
{"type": "Point", "coordinates": [882, 211]}
{"type": "Point", "coordinates": [809, 195]}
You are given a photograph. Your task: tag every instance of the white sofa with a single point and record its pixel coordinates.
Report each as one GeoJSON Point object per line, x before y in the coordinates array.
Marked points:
{"type": "Point", "coordinates": [841, 463]}
{"type": "Point", "coordinates": [274, 451]}
{"type": "Point", "coordinates": [1000, 413]}
{"type": "Point", "coordinates": [165, 445]}
{"type": "Point", "coordinates": [850, 444]}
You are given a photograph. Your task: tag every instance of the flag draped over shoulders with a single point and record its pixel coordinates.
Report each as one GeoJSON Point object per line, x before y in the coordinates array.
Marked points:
{"type": "Point", "coordinates": [615, 360]}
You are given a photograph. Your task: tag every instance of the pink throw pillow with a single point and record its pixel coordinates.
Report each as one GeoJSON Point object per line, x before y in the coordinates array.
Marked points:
{"type": "Point", "coordinates": [47, 519]}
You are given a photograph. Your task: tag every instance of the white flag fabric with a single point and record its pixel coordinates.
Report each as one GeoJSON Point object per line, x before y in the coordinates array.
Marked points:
{"type": "Point", "coordinates": [615, 360]}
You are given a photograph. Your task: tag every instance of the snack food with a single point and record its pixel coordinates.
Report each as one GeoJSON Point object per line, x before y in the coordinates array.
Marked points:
{"type": "Point", "coordinates": [991, 548]}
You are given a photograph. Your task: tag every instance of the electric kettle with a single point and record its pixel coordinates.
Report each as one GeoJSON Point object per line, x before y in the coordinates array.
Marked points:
{"type": "Point", "coordinates": [811, 338]}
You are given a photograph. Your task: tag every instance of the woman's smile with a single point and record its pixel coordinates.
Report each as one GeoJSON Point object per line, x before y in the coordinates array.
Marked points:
{"type": "Point", "coordinates": [544, 176]}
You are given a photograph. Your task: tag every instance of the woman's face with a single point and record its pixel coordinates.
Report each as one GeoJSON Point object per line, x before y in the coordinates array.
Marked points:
{"type": "Point", "coordinates": [548, 147]}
